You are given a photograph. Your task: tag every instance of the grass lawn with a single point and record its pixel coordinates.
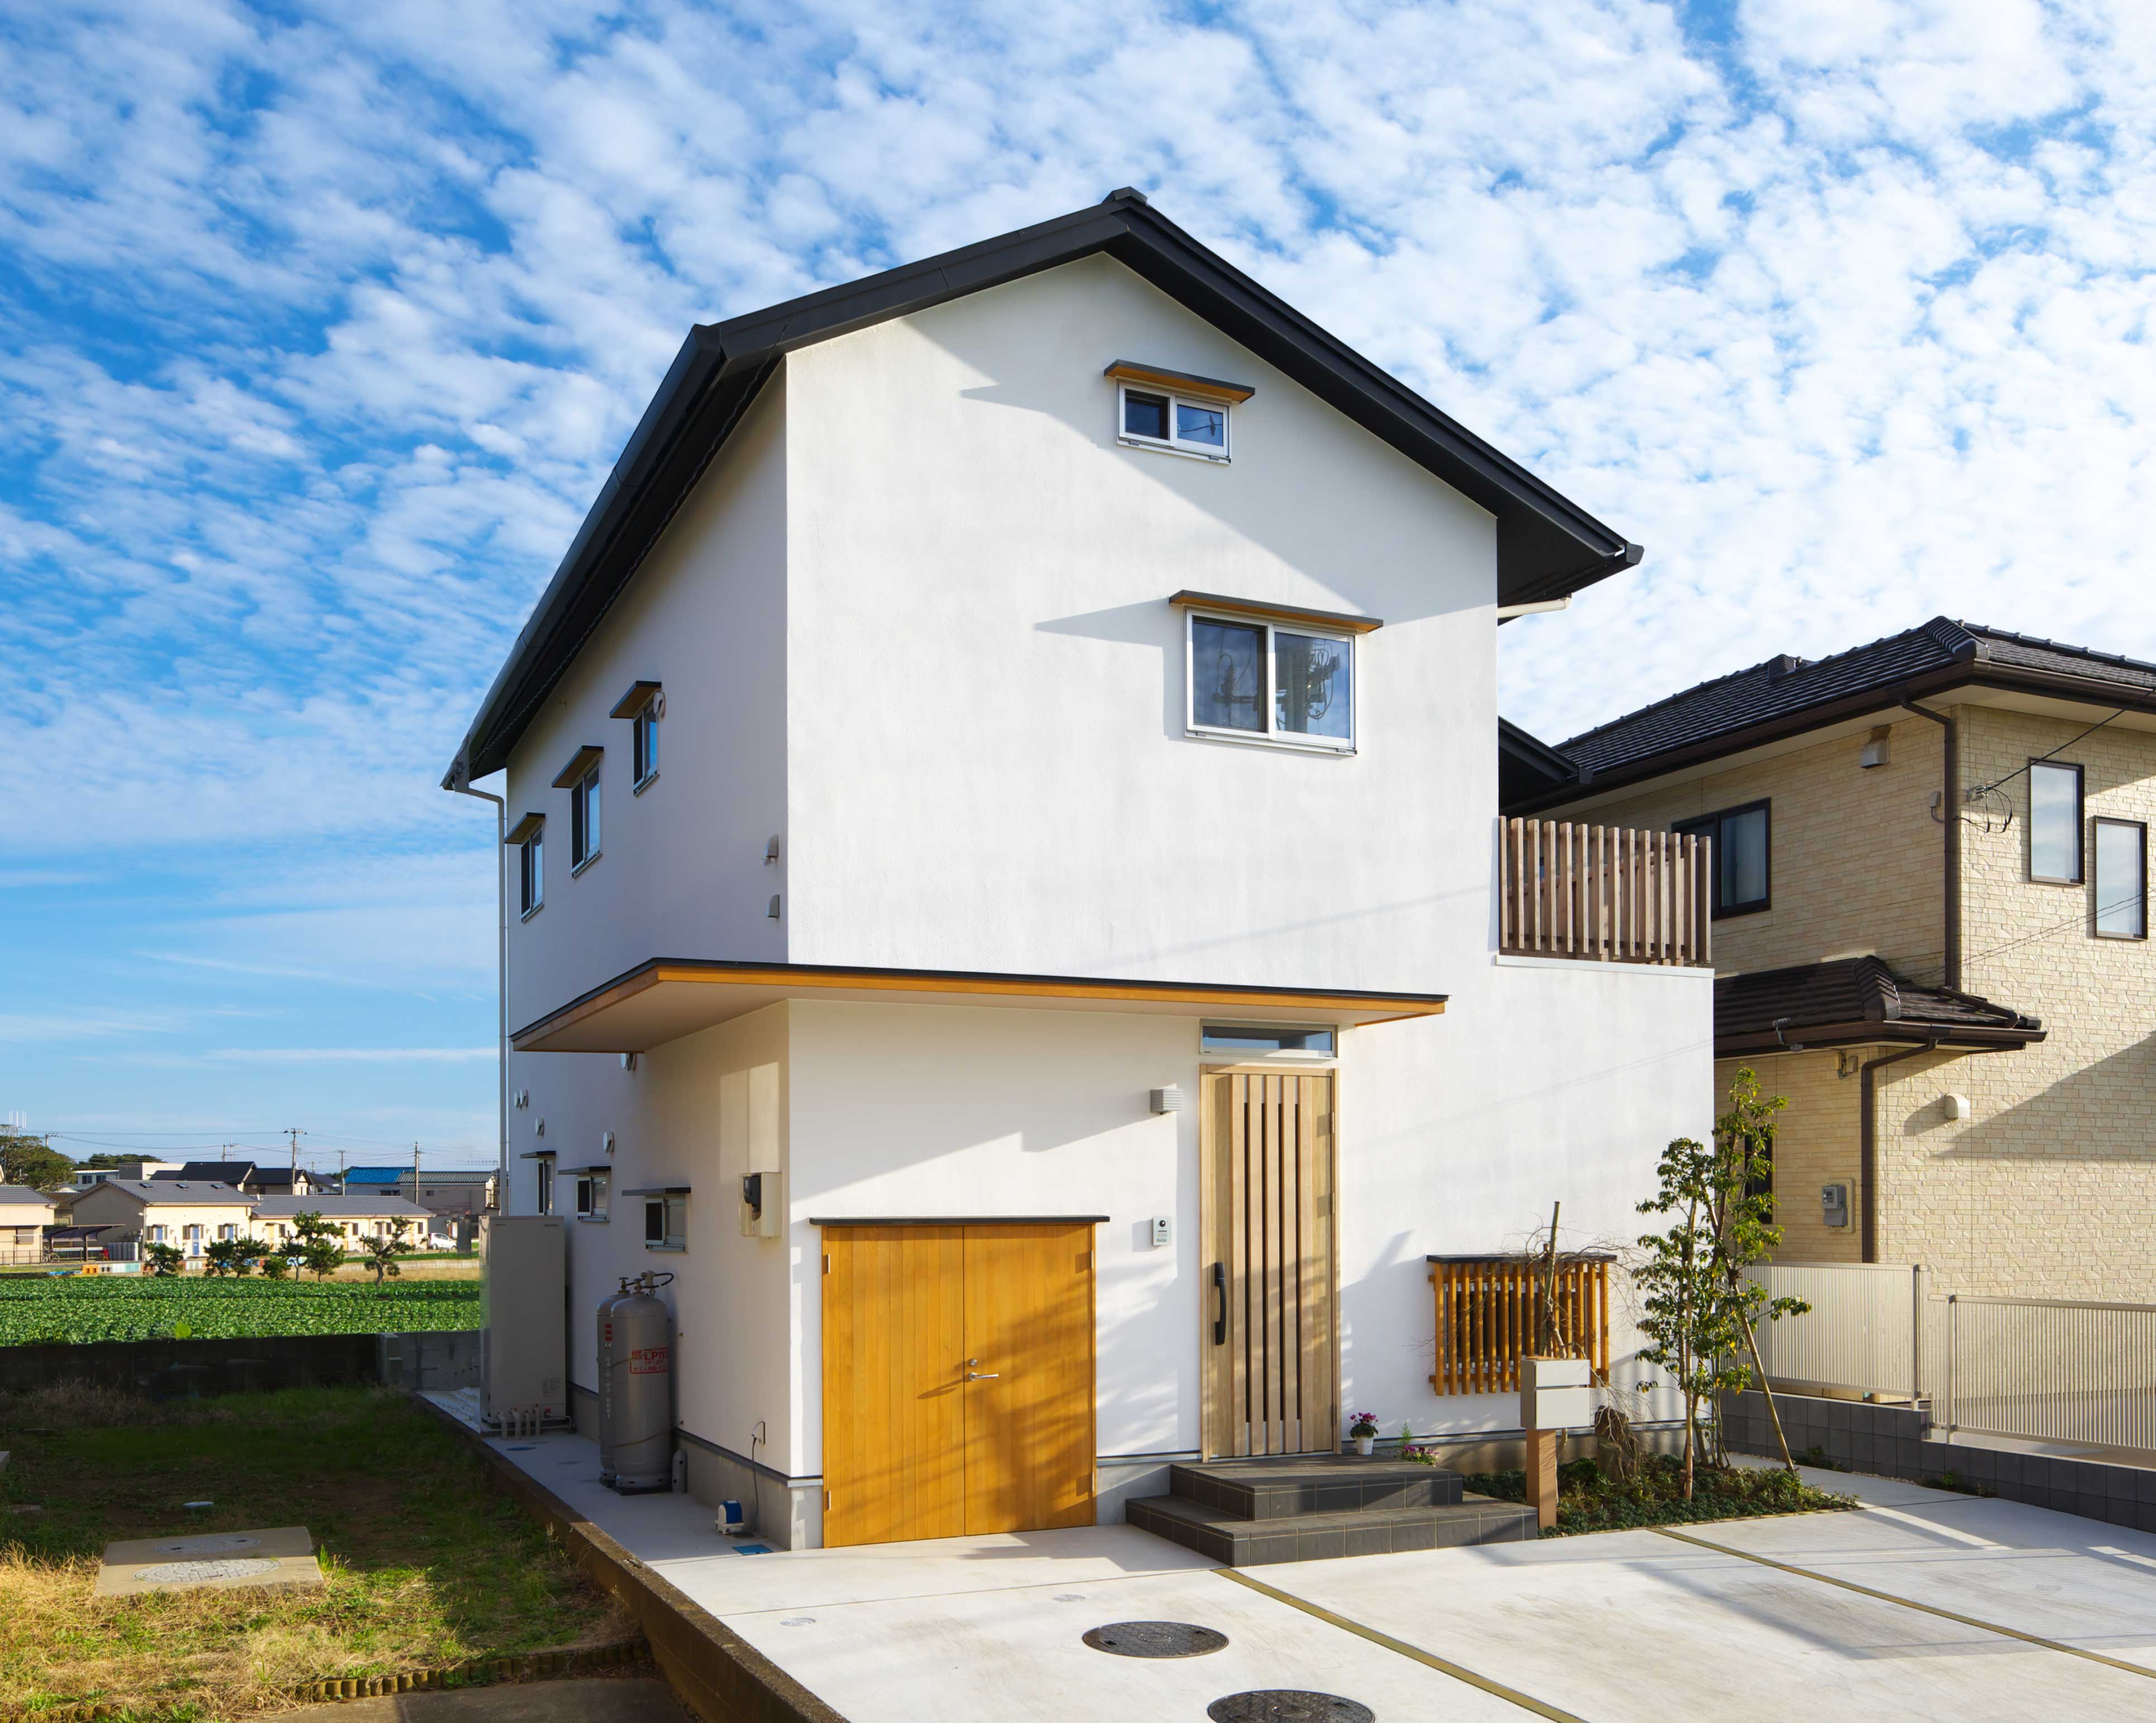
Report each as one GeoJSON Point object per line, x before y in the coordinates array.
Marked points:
{"type": "Point", "coordinates": [94, 1307]}
{"type": "Point", "coordinates": [1590, 1500]}
{"type": "Point", "coordinates": [427, 1562]}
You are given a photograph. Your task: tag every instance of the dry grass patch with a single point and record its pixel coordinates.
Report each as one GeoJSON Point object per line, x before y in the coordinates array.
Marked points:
{"type": "Point", "coordinates": [425, 1561]}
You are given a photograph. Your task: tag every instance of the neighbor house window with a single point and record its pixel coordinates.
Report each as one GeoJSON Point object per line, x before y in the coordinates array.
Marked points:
{"type": "Point", "coordinates": [592, 1196]}
{"type": "Point", "coordinates": [532, 868]}
{"type": "Point", "coordinates": [1259, 679]}
{"type": "Point", "coordinates": [2122, 880]}
{"type": "Point", "coordinates": [666, 1222]}
{"type": "Point", "coordinates": [1260, 1038]}
{"type": "Point", "coordinates": [2055, 822]}
{"type": "Point", "coordinates": [1160, 419]}
{"type": "Point", "coordinates": [545, 1187]}
{"type": "Point", "coordinates": [1743, 874]}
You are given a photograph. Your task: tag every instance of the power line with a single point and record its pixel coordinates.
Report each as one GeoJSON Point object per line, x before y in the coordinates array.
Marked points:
{"type": "Point", "coordinates": [1976, 790]}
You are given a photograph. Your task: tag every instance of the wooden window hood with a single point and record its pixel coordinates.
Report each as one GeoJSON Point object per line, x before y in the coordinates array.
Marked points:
{"type": "Point", "coordinates": [1182, 382]}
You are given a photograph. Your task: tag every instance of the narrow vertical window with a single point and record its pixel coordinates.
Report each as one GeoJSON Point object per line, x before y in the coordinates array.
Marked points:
{"type": "Point", "coordinates": [534, 865]}
{"type": "Point", "coordinates": [2055, 822]}
{"type": "Point", "coordinates": [545, 1187]}
{"type": "Point", "coordinates": [2122, 880]}
{"type": "Point", "coordinates": [584, 820]}
{"type": "Point", "coordinates": [643, 706]}
{"type": "Point", "coordinates": [645, 734]}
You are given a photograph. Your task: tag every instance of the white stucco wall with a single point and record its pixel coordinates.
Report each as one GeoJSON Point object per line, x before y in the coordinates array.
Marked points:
{"type": "Point", "coordinates": [988, 763]}
{"type": "Point", "coordinates": [681, 870]}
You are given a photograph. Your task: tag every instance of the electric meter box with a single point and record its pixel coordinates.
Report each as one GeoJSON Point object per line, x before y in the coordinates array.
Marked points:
{"type": "Point", "coordinates": [1833, 1207]}
{"type": "Point", "coordinates": [1556, 1394]}
{"type": "Point", "coordinates": [763, 1205]}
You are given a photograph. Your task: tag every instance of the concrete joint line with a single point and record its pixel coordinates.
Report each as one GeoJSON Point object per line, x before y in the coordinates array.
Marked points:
{"type": "Point", "coordinates": [1429, 1660]}
{"type": "Point", "coordinates": [1967, 1621]}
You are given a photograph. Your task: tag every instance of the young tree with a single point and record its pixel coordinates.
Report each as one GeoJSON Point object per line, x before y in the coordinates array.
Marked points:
{"type": "Point", "coordinates": [381, 1254]}
{"type": "Point", "coordinates": [276, 1266]}
{"type": "Point", "coordinates": [1700, 1311]}
{"type": "Point", "coordinates": [222, 1257]}
{"type": "Point", "coordinates": [162, 1259]}
{"type": "Point", "coordinates": [322, 1255]}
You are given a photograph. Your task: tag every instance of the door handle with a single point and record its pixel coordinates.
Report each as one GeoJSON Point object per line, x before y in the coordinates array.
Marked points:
{"type": "Point", "coordinates": [983, 1375]}
{"type": "Point", "coordinates": [1220, 1314]}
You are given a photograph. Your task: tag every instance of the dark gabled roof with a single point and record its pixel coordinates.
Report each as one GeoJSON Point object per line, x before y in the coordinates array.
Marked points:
{"type": "Point", "coordinates": [1786, 696]}
{"type": "Point", "coordinates": [1548, 545]}
{"type": "Point", "coordinates": [228, 1172]}
{"type": "Point", "coordinates": [1853, 1000]}
{"type": "Point", "coordinates": [19, 1194]}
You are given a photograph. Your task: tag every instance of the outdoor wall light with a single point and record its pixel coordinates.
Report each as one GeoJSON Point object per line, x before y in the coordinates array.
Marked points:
{"type": "Point", "coordinates": [1166, 1100]}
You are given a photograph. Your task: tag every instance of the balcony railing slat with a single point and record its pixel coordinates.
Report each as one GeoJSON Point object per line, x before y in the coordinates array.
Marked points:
{"type": "Point", "coordinates": [1605, 893]}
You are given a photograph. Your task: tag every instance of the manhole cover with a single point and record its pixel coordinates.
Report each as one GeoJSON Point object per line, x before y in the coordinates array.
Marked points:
{"type": "Point", "coordinates": [1288, 1704]}
{"type": "Point", "coordinates": [187, 1572]}
{"type": "Point", "coordinates": [1155, 1638]}
{"type": "Point", "coordinates": [218, 1544]}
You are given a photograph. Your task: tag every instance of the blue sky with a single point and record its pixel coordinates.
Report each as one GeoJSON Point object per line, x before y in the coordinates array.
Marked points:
{"type": "Point", "coordinates": [321, 325]}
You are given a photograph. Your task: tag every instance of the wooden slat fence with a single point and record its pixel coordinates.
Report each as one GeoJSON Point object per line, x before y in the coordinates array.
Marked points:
{"type": "Point", "coordinates": [1488, 1318]}
{"type": "Point", "coordinates": [1604, 893]}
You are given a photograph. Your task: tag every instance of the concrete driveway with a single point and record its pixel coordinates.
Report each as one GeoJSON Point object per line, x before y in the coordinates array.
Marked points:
{"type": "Point", "coordinates": [1922, 1605]}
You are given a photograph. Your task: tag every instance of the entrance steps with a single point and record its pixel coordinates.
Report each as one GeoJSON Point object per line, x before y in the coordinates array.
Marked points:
{"type": "Point", "coordinates": [1245, 1513]}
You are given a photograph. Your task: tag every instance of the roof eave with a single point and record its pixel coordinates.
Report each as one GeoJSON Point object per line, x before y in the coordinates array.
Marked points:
{"type": "Point", "coordinates": [1796, 1038]}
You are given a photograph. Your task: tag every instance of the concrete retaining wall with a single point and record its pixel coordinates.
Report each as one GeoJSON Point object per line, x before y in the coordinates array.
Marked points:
{"type": "Point", "coordinates": [1889, 1441]}
{"type": "Point", "coordinates": [178, 1369]}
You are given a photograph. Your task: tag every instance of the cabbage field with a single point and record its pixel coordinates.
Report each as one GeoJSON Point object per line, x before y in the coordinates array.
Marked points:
{"type": "Point", "coordinates": [35, 1308]}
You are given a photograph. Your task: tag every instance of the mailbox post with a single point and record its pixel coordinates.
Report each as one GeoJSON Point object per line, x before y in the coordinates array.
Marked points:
{"type": "Point", "coordinates": [1556, 1395]}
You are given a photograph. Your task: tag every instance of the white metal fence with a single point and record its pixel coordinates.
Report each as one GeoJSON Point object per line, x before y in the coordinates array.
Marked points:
{"type": "Point", "coordinates": [2047, 1370]}
{"type": "Point", "coordinates": [2050, 1369]}
{"type": "Point", "coordinates": [1864, 1333]}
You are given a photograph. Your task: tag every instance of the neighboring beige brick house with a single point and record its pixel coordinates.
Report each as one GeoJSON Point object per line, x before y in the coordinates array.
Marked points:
{"type": "Point", "coordinates": [2000, 961]}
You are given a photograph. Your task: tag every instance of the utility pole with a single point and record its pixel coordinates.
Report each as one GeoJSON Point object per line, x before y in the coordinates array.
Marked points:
{"type": "Point", "coordinates": [296, 1134]}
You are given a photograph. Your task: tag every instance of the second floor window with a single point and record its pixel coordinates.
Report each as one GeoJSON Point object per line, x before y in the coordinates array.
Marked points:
{"type": "Point", "coordinates": [2122, 880]}
{"type": "Point", "coordinates": [2055, 822]}
{"type": "Point", "coordinates": [531, 867]}
{"type": "Point", "coordinates": [1743, 874]}
{"type": "Point", "coordinates": [1279, 683]}
{"type": "Point", "coordinates": [643, 738]}
{"type": "Point", "coordinates": [545, 1187]}
{"type": "Point", "coordinates": [592, 1196]}
{"type": "Point", "coordinates": [584, 819]}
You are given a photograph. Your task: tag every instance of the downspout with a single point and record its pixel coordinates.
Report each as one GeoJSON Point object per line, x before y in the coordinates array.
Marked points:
{"type": "Point", "coordinates": [1949, 817]}
{"type": "Point", "coordinates": [457, 786]}
{"type": "Point", "coordinates": [1867, 1142]}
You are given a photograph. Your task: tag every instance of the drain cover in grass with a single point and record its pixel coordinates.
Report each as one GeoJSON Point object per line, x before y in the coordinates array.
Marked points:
{"type": "Point", "coordinates": [283, 1556]}
{"type": "Point", "coordinates": [1155, 1638]}
{"type": "Point", "coordinates": [1288, 1704]}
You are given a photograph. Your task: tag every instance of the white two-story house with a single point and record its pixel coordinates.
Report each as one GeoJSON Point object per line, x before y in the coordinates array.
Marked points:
{"type": "Point", "coordinates": [1006, 777]}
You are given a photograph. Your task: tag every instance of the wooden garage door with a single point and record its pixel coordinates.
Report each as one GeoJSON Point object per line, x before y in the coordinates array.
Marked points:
{"type": "Point", "coordinates": [957, 1380]}
{"type": "Point", "coordinates": [1270, 1341]}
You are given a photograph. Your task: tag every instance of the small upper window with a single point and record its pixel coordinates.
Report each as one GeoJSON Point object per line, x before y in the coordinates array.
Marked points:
{"type": "Point", "coordinates": [1288, 685]}
{"type": "Point", "coordinates": [584, 820]}
{"type": "Point", "coordinates": [592, 1196]}
{"type": "Point", "coordinates": [643, 705]}
{"type": "Point", "coordinates": [1260, 1038]}
{"type": "Point", "coordinates": [1190, 425]}
{"type": "Point", "coordinates": [644, 733]}
{"type": "Point", "coordinates": [531, 869]}
{"type": "Point", "coordinates": [2122, 880]}
{"type": "Point", "coordinates": [1742, 873]}
{"type": "Point", "coordinates": [2055, 822]}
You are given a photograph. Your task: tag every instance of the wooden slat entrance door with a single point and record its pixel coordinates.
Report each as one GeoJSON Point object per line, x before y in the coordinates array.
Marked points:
{"type": "Point", "coordinates": [893, 1402]}
{"type": "Point", "coordinates": [1029, 1400]}
{"type": "Point", "coordinates": [917, 1442]}
{"type": "Point", "coordinates": [1271, 1339]}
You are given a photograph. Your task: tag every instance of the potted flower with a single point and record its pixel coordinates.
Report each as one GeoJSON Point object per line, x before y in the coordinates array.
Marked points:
{"type": "Point", "coordinates": [1364, 1432]}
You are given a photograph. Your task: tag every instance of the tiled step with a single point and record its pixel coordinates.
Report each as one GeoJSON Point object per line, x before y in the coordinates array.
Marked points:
{"type": "Point", "coordinates": [1235, 1542]}
{"type": "Point", "coordinates": [1323, 1483]}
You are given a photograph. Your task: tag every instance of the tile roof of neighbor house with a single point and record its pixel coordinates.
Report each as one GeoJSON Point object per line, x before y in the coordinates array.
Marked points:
{"type": "Point", "coordinates": [1850, 1000]}
{"type": "Point", "coordinates": [200, 1192]}
{"type": "Point", "coordinates": [338, 1208]}
{"type": "Point", "coordinates": [23, 1193]}
{"type": "Point", "coordinates": [1548, 545]}
{"type": "Point", "coordinates": [375, 1174]}
{"type": "Point", "coordinates": [1785, 695]}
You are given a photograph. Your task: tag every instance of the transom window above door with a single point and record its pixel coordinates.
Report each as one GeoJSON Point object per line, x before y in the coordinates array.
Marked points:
{"type": "Point", "coordinates": [1266, 673]}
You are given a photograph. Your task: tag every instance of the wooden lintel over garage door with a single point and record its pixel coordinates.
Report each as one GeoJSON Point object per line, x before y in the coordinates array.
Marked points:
{"type": "Point", "coordinates": [957, 1378]}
